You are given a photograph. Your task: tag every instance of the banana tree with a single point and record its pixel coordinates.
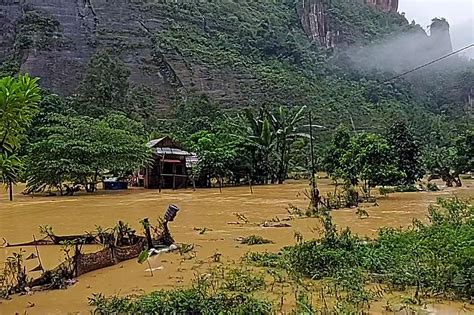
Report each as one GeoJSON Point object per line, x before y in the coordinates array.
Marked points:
{"type": "Point", "coordinates": [285, 124]}
{"type": "Point", "coordinates": [261, 138]}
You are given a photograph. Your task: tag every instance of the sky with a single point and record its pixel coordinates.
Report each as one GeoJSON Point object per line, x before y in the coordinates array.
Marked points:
{"type": "Point", "coordinates": [459, 13]}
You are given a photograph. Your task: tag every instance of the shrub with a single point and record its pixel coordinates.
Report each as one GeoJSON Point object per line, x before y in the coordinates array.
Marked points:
{"type": "Point", "coordinates": [255, 240]}
{"type": "Point", "coordinates": [434, 258]}
{"type": "Point", "coordinates": [180, 301]}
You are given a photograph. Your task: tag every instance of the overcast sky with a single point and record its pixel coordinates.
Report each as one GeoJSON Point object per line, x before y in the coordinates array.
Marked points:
{"type": "Point", "coordinates": [459, 13]}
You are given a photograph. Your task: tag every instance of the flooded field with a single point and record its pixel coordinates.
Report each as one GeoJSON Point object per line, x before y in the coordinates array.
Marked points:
{"type": "Point", "coordinates": [206, 208]}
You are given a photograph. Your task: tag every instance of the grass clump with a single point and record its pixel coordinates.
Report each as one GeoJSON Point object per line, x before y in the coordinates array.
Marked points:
{"type": "Point", "coordinates": [255, 240]}
{"type": "Point", "coordinates": [242, 280]}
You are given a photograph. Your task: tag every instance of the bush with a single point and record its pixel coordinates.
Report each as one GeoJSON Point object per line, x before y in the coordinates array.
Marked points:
{"type": "Point", "coordinates": [180, 301]}
{"type": "Point", "coordinates": [255, 240]}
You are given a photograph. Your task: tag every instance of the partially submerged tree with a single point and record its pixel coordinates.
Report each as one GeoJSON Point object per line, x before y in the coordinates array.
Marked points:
{"type": "Point", "coordinates": [285, 124]}
{"type": "Point", "coordinates": [79, 150]}
{"type": "Point", "coordinates": [449, 163]}
{"type": "Point", "coordinates": [406, 152]}
{"type": "Point", "coordinates": [18, 106]}
{"type": "Point", "coordinates": [216, 154]}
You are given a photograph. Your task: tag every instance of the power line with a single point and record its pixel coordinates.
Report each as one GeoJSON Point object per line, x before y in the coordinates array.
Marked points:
{"type": "Point", "coordinates": [429, 63]}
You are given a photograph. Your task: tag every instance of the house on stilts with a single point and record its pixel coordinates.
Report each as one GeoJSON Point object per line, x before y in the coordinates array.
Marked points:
{"type": "Point", "coordinates": [170, 167]}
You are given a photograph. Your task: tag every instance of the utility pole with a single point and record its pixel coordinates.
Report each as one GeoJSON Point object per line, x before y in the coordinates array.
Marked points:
{"type": "Point", "coordinates": [314, 191]}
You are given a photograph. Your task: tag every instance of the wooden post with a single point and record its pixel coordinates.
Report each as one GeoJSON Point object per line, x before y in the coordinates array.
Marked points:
{"type": "Point", "coordinates": [146, 226]}
{"type": "Point", "coordinates": [220, 184]}
{"type": "Point", "coordinates": [10, 185]}
{"type": "Point", "coordinates": [314, 192]}
{"type": "Point", "coordinates": [250, 184]}
{"type": "Point", "coordinates": [174, 176]}
{"type": "Point", "coordinates": [161, 166]}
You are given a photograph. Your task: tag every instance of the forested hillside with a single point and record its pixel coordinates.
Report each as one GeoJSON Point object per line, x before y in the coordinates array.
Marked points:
{"type": "Point", "coordinates": [191, 69]}
{"type": "Point", "coordinates": [245, 53]}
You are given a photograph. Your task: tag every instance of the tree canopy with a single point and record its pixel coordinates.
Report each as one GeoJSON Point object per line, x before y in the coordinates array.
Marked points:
{"type": "Point", "coordinates": [80, 150]}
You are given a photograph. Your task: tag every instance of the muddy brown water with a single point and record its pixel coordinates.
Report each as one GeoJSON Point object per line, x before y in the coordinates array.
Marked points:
{"type": "Point", "coordinates": [204, 208]}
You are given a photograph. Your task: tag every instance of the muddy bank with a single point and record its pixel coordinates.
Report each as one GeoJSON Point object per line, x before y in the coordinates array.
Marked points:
{"type": "Point", "coordinates": [201, 209]}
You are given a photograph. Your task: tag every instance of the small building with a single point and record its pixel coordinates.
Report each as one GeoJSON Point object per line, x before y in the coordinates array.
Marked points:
{"type": "Point", "coordinates": [168, 169]}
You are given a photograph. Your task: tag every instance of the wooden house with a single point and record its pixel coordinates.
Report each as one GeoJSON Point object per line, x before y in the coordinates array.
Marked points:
{"type": "Point", "coordinates": [168, 169]}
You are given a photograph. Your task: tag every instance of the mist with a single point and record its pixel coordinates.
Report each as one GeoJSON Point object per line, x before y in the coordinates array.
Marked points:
{"type": "Point", "coordinates": [404, 52]}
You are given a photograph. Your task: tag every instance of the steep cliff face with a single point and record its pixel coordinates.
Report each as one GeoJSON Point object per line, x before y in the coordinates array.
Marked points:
{"type": "Point", "coordinates": [58, 42]}
{"type": "Point", "coordinates": [315, 22]}
{"type": "Point", "coordinates": [327, 22]}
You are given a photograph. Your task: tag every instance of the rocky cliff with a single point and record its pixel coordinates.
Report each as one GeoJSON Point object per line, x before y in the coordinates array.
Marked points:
{"type": "Point", "coordinates": [54, 39]}
{"type": "Point", "coordinates": [440, 36]}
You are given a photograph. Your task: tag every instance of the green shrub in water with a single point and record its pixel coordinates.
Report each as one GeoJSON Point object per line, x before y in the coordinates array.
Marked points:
{"type": "Point", "coordinates": [255, 240]}
{"type": "Point", "coordinates": [434, 259]}
{"type": "Point", "coordinates": [180, 301]}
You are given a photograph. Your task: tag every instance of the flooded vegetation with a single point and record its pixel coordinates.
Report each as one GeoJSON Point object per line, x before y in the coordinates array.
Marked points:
{"type": "Point", "coordinates": [215, 223]}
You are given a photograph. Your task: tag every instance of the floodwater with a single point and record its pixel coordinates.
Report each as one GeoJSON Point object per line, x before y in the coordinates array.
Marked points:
{"type": "Point", "coordinates": [204, 208]}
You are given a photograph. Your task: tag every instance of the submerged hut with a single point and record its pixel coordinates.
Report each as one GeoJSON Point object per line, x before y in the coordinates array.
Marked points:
{"type": "Point", "coordinates": [168, 169]}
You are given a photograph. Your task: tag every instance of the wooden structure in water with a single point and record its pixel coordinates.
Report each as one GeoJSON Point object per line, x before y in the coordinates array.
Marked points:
{"type": "Point", "coordinates": [168, 169]}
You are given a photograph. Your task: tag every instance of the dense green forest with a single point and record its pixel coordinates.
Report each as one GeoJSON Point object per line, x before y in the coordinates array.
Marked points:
{"type": "Point", "coordinates": [263, 135]}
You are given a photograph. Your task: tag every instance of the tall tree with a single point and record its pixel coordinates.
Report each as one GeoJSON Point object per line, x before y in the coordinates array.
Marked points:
{"type": "Point", "coordinates": [104, 87]}
{"type": "Point", "coordinates": [407, 153]}
{"type": "Point", "coordinates": [80, 150]}
{"type": "Point", "coordinates": [452, 161]}
{"type": "Point", "coordinates": [285, 124]}
{"type": "Point", "coordinates": [18, 106]}
{"type": "Point", "coordinates": [370, 156]}
{"type": "Point", "coordinates": [261, 141]}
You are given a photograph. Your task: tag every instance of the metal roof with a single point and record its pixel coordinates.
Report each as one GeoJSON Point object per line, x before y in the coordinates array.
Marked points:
{"type": "Point", "coordinates": [171, 151]}
{"type": "Point", "coordinates": [154, 142]}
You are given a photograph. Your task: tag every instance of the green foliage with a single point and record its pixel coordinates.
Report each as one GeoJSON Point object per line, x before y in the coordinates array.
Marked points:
{"type": "Point", "coordinates": [255, 240]}
{"type": "Point", "coordinates": [407, 153]}
{"type": "Point", "coordinates": [452, 160]}
{"type": "Point", "coordinates": [10, 168]}
{"type": "Point", "coordinates": [434, 258]}
{"type": "Point", "coordinates": [365, 158]}
{"type": "Point", "coordinates": [81, 149]}
{"type": "Point", "coordinates": [222, 292]}
{"type": "Point", "coordinates": [18, 106]}
{"type": "Point", "coordinates": [243, 281]}
{"type": "Point", "coordinates": [36, 31]}
{"type": "Point", "coordinates": [216, 153]}
{"type": "Point", "coordinates": [104, 87]}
